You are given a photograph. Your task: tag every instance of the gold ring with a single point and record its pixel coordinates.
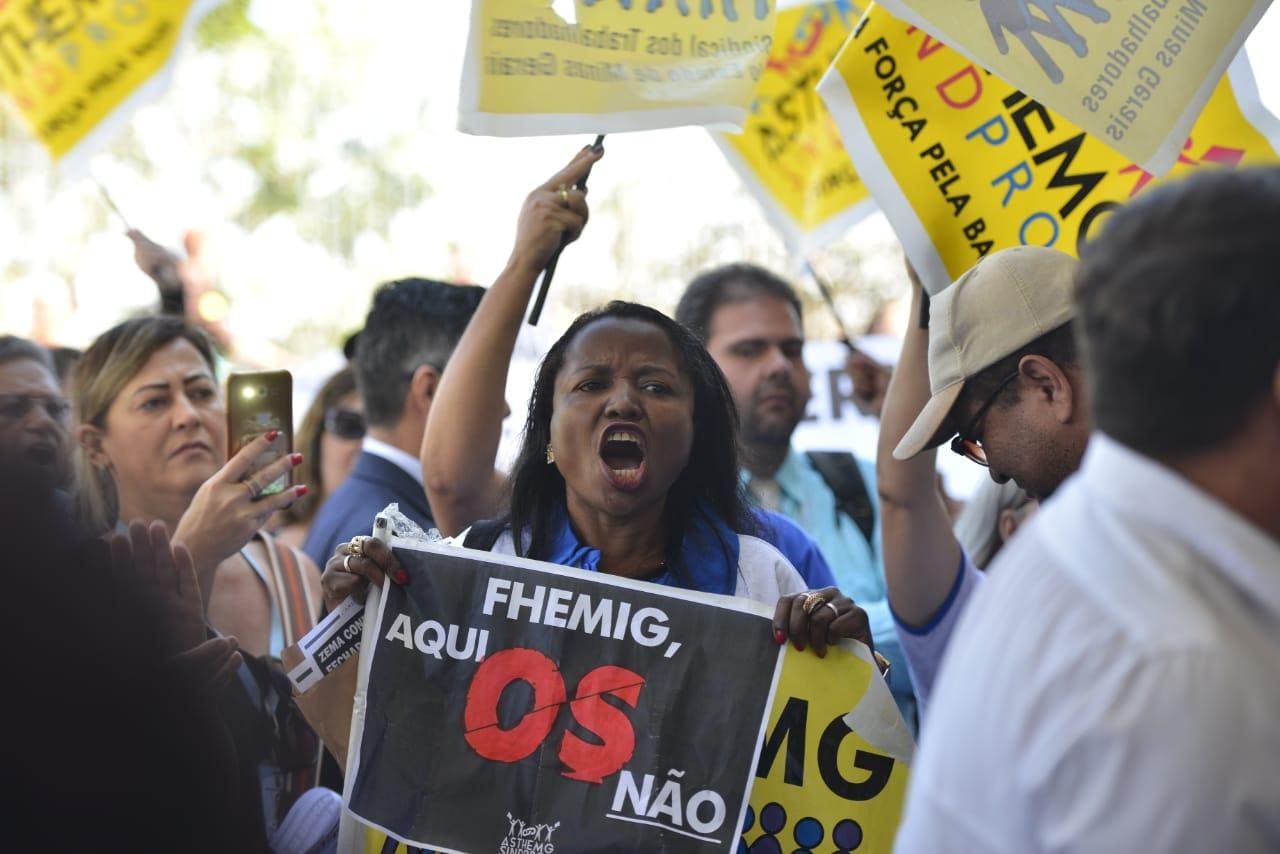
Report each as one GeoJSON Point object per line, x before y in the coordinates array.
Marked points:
{"type": "Point", "coordinates": [356, 546]}
{"type": "Point", "coordinates": [564, 193]}
{"type": "Point", "coordinates": [813, 601]}
{"type": "Point", "coordinates": [833, 608]}
{"type": "Point", "coordinates": [346, 562]}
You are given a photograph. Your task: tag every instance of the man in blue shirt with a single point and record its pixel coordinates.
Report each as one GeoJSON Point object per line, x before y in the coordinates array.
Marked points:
{"type": "Point", "coordinates": [751, 323]}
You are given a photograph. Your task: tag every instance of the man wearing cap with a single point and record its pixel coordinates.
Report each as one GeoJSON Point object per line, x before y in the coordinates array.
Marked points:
{"type": "Point", "coordinates": [997, 370]}
{"type": "Point", "coordinates": [1114, 685]}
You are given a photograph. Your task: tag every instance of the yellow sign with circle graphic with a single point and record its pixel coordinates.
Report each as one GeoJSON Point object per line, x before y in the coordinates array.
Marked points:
{"type": "Point", "coordinates": [834, 766]}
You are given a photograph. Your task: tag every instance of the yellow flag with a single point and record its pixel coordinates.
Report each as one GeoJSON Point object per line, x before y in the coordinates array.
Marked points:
{"type": "Point", "coordinates": [790, 154]}
{"type": "Point", "coordinates": [963, 164]}
{"type": "Point", "coordinates": [74, 71]}
{"type": "Point", "coordinates": [621, 65]}
{"type": "Point", "coordinates": [834, 767]}
{"type": "Point", "coordinates": [1135, 75]}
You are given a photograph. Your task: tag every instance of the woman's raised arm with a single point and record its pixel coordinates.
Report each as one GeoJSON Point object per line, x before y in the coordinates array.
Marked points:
{"type": "Point", "coordinates": [461, 440]}
{"type": "Point", "coordinates": [920, 551]}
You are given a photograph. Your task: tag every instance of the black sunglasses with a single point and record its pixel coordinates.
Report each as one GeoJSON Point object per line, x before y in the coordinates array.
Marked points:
{"type": "Point", "coordinates": [344, 423]}
{"type": "Point", "coordinates": [967, 444]}
{"type": "Point", "coordinates": [15, 407]}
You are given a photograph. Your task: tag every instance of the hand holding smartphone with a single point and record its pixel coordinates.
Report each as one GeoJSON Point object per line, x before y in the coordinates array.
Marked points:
{"type": "Point", "coordinates": [257, 403]}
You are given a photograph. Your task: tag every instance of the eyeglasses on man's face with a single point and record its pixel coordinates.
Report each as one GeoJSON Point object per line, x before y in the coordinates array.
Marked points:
{"type": "Point", "coordinates": [968, 443]}
{"type": "Point", "coordinates": [15, 407]}
{"type": "Point", "coordinates": [344, 423]}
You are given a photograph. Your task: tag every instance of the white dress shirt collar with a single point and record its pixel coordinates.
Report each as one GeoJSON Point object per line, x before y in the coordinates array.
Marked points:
{"type": "Point", "coordinates": [1138, 486]}
{"type": "Point", "coordinates": [406, 462]}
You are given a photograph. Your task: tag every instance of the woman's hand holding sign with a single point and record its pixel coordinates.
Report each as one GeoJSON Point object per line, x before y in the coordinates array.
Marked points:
{"type": "Point", "coordinates": [818, 617]}
{"type": "Point", "coordinates": [354, 566]}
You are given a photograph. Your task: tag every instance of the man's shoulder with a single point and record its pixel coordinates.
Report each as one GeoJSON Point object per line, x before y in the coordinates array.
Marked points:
{"type": "Point", "coordinates": [837, 472]}
{"type": "Point", "coordinates": [348, 512]}
{"type": "Point", "coordinates": [351, 497]}
{"type": "Point", "coordinates": [1065, 608]}
{"type": "Point", "coordinates": [1059, 672]}
{"type": "Point", "coordinates": [780, 530]}
{"type": "Point", "coordinates": [1094, 563]}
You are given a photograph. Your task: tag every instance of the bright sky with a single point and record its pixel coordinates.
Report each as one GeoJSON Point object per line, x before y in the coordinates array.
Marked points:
{"type": "Point", "coordinates": [668, 187]}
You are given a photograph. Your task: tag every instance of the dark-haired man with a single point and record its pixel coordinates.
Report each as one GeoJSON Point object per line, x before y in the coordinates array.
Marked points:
{"type": "Point", "coordinates": [34, 442]}
{"type": "Point", "coordinates": [1114, 685]}
{"type": "Point", "coordinates": [406, 341]}
{"type": "Point", "coordinates": [751, 323]}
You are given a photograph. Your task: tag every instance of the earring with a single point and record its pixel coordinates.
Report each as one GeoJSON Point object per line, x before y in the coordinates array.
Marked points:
{"type": "Point", "coordinates": [551, 454]}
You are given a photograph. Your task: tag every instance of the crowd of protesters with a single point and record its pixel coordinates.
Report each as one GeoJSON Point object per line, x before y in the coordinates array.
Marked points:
{"type": "Point", "coordinates": [1090, 652]}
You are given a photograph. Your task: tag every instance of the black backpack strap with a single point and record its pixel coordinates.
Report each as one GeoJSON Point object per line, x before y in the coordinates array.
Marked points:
{"type": "Point", "coordinates": [843, 477]}
{"type": "Point", "coordinates": [484, 534]}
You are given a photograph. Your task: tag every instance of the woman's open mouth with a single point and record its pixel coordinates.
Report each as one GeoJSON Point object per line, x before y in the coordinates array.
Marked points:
{"type": "Point", "coordinates": [42, 454]}
{"type": "Point", "coordinates": [622, 451]}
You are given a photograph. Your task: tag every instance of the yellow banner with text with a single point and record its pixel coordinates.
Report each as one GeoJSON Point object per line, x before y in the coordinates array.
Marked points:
{"type": "Point", "coordinates": [72, 70]}
{"type": "Point", "coordinates": [1135, 75]}
{"type": "Point", "coordinates": [963, 164]}
{"type": "Point", "coordinates": [616, 66]}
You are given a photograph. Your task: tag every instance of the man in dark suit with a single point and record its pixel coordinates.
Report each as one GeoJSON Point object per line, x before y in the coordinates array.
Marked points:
{"type": "Point", "coordinates": [407, 339]}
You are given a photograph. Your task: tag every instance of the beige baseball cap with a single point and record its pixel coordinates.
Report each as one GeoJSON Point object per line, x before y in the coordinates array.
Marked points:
{"type": "Point", "coordinates": [1003, 303]}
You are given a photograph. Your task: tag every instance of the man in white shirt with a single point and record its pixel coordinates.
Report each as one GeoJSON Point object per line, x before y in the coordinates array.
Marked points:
{"type": "Point", "coordinates": [1115, 685]}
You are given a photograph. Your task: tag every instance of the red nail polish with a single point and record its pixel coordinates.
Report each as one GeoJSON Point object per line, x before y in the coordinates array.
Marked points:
{"type": "Point", "coordinates": [779, 637]}
{"type": "Point", "coordinates": [272, 435]}
{"type": "Point", "coordinates": [296, 459]}
{"type": "Point", "coordinates": [301, 490]}
{"type": "Point", "coordinates": [799, 646]}
{"type": "Point", "coordinates": [401, 577]}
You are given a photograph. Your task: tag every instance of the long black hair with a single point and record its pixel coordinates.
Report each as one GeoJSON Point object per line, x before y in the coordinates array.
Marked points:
{"type": "Point", "coordinates": [710, 481]}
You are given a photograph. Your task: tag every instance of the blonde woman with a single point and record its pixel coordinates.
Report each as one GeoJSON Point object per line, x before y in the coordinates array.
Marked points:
{"type": "Point", "coordinates": [152, 438]}
{"type": "Point", "coordinates": [153, 443]}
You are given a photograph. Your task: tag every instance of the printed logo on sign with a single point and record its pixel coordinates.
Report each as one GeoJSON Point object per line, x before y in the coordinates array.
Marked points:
{"type": "Point", "coordinates": [525, 838]}
{"type": "Point", "coordinates": [1020, 18]}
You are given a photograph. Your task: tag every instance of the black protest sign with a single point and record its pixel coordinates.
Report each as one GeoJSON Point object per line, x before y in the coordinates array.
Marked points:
{"type": "Point", "coordinates": [515, 706]}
